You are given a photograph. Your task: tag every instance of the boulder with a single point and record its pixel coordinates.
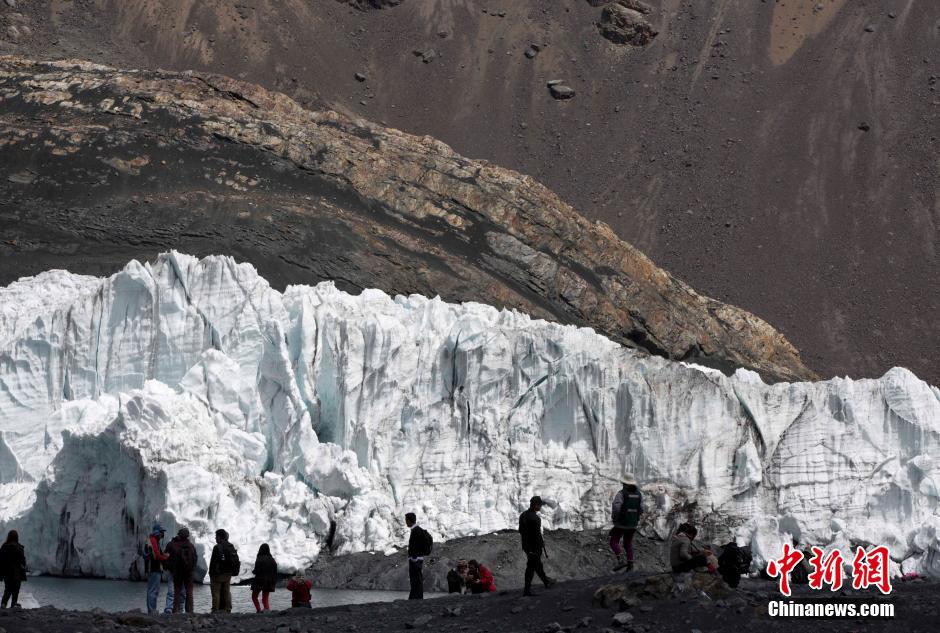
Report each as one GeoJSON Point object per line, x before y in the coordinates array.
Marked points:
{"type": "Point", "coordinates": [621, 25]}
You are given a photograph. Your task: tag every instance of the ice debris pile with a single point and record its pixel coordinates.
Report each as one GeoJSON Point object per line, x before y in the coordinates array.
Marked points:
{"type": "Point", "coordinates": [190, 392]}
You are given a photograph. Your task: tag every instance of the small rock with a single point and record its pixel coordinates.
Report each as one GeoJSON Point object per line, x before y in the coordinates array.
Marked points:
{"type": "Point", "coordinates": [869, 29]}
{"type": "Point", "coordinates": [892, 14]}
{"type": "Point", "coordinates": [646, 609]}
{"type": "Point", "coordinates": [360, 77]}
{"type": "Point", "coordinates": [554, 82]}
{"type": "Point", "coordinates": [363, 103]}
{"type": "Point", "coordinates": [330, 619]}
{"type": "Point", "coordinates": [295, 627]}
{"type": "Point", "coordinates": [135, 619]}
{"type": "Point", "coordinates": [516, 610]}
{"type": "Point", "coordinates": [584, 622]}
{"type": "Point", "coordinates": [567, 607]}
{"type": "Point", "coordinates": [531, 52]}
{"type": "Point", "coordinates": [282, 628]}
{"type": "Point", "coordinates": [419, 622]}
{"type": "Point", "coordinates": [452, 612]}
{"type": "Point", "coordinates": [622, 618]}
{"type": "Point", "coordinates": [11, 4]}
{"type": "Point", "coordinates": [561, 91]}
{"type": "Point", "coordinates": [501, 14]}
{"type": "Point", "coordinates": [552, 627]}
{"type": "Point", "coordinates": [863, 126]}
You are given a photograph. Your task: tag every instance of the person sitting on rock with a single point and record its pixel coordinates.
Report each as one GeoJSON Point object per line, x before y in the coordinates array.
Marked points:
{"type": "Point", "coordinates": [480, 578]}
{"type": "Point", "coordinates": [457, 578]}
{"type": "Point", "coordinates": [684, 554]}
{"type": "Point", "coordinates": [299, 588]}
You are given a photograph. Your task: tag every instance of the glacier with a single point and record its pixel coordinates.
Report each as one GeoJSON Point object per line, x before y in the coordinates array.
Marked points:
{"type": "Point", "coordinates": [188, 391]}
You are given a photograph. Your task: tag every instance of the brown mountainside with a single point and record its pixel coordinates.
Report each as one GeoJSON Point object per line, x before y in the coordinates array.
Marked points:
{"type": "Point", "coordinates": [779, 155]}
{"type": "Point", "coordinates": [100, 165]}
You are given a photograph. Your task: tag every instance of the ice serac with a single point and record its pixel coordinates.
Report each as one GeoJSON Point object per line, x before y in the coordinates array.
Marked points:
{"type": "Point", "coordinates": [188, 391]}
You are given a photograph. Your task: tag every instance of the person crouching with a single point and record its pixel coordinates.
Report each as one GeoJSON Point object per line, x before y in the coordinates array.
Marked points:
{"type": "Point", "coordinates": [299, 588]}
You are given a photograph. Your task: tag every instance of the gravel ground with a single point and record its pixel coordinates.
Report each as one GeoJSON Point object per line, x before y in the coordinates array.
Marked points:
{"type": "Point", "coordinates": [568, 606]}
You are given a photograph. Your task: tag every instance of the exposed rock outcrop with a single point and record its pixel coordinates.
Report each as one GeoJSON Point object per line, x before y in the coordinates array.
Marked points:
{"type": "Point", "coordinates": [102, 165]}
{"type": "Point", "coordinates": [623, 25]}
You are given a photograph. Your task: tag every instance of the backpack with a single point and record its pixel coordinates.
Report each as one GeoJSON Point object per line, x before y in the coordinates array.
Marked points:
{"type": "Point", "coordinates": [182, 557]}
{"type": "Point", "coordinates": [234, 565]}
{"type": "Point", "coordinates": [629, 514]}
{"type": "Point", "coordinates": [428, 543]}
{"type": "Point", "coordinates": [734, 559]}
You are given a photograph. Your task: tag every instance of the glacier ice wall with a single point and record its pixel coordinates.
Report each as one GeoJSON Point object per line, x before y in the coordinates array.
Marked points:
{"type": "Point", "coordinates": [188, 391]}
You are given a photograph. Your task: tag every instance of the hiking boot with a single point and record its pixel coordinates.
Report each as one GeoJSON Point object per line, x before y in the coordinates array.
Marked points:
{"type": "Point", "coordinates": [621, 562]}
{"type": "Point", "coordinates": [527, 593]}
{"type": "Point", "coordinates": [629, 565]}
{"type": "Point", "coordinates": [551, 582]}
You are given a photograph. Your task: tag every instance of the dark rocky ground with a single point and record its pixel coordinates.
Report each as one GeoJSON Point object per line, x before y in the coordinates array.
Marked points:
{"type": "Point", "coordinates": [776, 155]}
{"type": "Point", "coordinates": [572, 556]}
{"type": "Point", "coordinates": [569, 606]}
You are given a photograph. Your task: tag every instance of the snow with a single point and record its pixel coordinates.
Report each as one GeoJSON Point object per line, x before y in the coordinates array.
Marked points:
{"type": "Point", "coordinates": [188, 391]}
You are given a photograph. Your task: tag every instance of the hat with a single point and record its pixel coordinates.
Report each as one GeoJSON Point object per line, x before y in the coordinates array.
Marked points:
{"type": "Point", "coordinates": [536, 501]}
{"type": "Point", "coordinates": [183, 533]}
{"type": "Point", "coordinates": [628, 479]}
{"type": "Point", "coordinates": [157, 529]}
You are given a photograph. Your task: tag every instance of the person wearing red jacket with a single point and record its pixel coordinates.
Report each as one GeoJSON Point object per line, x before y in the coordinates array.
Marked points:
{"type": "Point", "coordinates": [480, 578]}
{"type": "Point", "coordinates": [155, 560]}
{"type": "Point", "coordinates": [299, 588]}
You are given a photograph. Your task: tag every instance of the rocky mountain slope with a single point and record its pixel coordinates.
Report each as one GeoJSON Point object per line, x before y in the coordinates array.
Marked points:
{"type": "Point", "coordinates": [776, 155]}
{"type": "Point", "coordinates": [101, 166]}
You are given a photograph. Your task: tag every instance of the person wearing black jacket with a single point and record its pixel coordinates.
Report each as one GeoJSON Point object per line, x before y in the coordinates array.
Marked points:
{"type": "Point", "coordinates": [265, 579]}
{"type": "Point", "coordinates": [417, 550]}
{"type": "Point", "coordinates": [181, 565]}
{"type": "Point", "coordinates": [12, 568]}
{"type": "Point", "coordinates": [530, 528]}
{"type": "Point", "coordinates": [222, 566]}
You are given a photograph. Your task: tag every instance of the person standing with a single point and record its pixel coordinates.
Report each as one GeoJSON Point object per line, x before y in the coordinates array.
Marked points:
{"type": "Point", "coordinates": [156, 560]}
{"type": "Point", "coordinates": [182, 564]}
{"type": "Point", "coordinates": [12, 569]}
{"type": "Point", "coordinates": [530, 528]}
{"type": "Point", "coordinates": [626, 511]}
{"type": "Point", "coordinates": [223, 565]}
{"type": "Point", "coordinates": [265, 572]}
{"type": "Point", "coordinates": [419, 546]}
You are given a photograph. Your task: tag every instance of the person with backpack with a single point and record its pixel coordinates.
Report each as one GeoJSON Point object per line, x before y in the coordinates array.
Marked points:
{"type": "Point", "coordinates": [530, 529]}
{"type": "Point", "coordinates": [12, 569]}
{"type": "Point", "coordinates": [733, 562]}
{"type": "Point", "coordinates": [626, 510]}
{"type": "Point", "coordinates": [265, 572]}
{"type": "Point", "coordinates": [182, 564]}
{"type": "Point", "coordinates": [223, 565]}
{"type": "Point", "coordinates": [684, 554]}
{"type": "Point", "coordinates": [420, 544]}
{"type": "Point", "coordinates": [155, 560]}
{"type": "Point", "coordinates": [480, 578]}
{"type": "Point", "coordinates": [299, 588]}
